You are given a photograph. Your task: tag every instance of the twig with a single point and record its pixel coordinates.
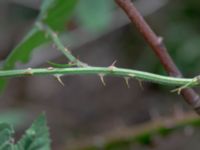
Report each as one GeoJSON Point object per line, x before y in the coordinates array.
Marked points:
{"type": "Point", "coordinates": [159, 49]}
{"type": "Point", "coordinates": [54, 37]}
{"type": "Point", "coordinates": [143, 134]}
{"type": "Point", "coordinates": [120, 72]}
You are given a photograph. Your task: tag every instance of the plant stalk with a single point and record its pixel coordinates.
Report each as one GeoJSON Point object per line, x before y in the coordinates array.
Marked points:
{"type": "Point", "coordinates": [104, 71]}
{"type": "Point", "coordinates": [159, 48]}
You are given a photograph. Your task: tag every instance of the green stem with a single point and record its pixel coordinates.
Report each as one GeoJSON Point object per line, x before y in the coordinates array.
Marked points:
{"type": "Point", "coordinates": [54, 37]}
{"type": "Point", "coordinates": [113, 71]}
{"type": "Point", "coordinates": [85, 69]}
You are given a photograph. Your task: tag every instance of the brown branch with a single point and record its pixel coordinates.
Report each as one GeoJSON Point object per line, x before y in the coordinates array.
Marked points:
{"type": "Point", "coordinates": [159, 49]}
{"type": "Point", "coordinates": [130, 136]}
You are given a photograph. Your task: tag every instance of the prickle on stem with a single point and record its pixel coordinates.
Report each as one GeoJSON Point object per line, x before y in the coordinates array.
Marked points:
{"type": "Point", "coordinates": [58, 77]}
{"type": "Point", "coordinates": [127, 81]}
{"type": "Point", "coordinates": [102, 79]}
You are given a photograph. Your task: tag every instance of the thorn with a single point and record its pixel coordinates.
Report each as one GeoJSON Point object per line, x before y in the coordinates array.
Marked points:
{"type": "Point", "coordinates": [66, 50]}
{"type": "Point", "coordinates": [112, 66]}
{"type": "Point", "coordinates": [59, 80]}
{"type": "Point", "coordinates": [131, 75]}
{"type": "Point", "coordinates": [71, 63]}
{"type": "Point", "coordinates": [29, 71]}
{"type": "Point", "coordinates": [140, 84]}
{"type": "Point", "coordinates": [174, 90]}
{"type": "Point", "coordinates": [114, 62]}
{"type": "Point", "coordinates": [160, 40]}
{"type": "Point", "coordinates": [50, 68]}
{"type": "Point", "coordinates": [178, 90]}
{"type": "Point", "coordinates": [127, 81]}
{"type": "Point", "coordinates": [102, 79]}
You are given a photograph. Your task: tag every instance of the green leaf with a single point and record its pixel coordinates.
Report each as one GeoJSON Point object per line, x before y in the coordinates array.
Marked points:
{"type": "Point", "coordinates": [54, 13]}
{"type": "Point", "coordinates": [6, 132]}
{"type": "Point", "coordinates": [94, 15]}
{"type": "Point", "coordinates": [45, 6]}
{"type": "Point", "coordinates": [36, 137]}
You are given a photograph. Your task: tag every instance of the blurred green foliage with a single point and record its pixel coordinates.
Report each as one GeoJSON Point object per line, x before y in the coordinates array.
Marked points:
{"type": "Point", "coordinates": [182, 35]}
{"type": "Point", "coordinates": [14, 117]}
{"type": "Point", "coordinates": [146, 137]}
{"type": "Point", "coordinates": [94, 16]}
{"type": "Point", "coordinates": [54, 13]}
{"type": "Point", "coordinates": [35, 138]}
{"type": "Point", "coordinates": [6, 132]}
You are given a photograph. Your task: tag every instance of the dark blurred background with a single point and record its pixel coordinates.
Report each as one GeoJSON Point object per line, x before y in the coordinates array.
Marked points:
{"type": "Point", "coordinates": [99, 33]}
